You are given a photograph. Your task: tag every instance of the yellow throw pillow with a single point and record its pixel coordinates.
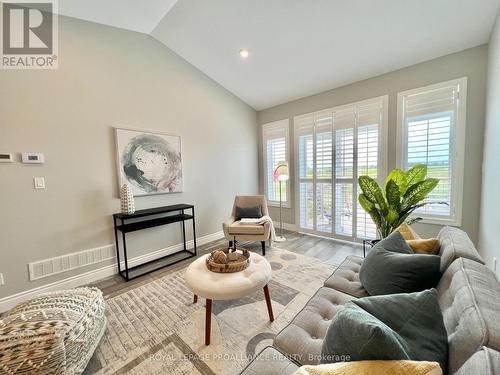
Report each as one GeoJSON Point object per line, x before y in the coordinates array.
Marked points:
{"type": "Point", "coordinates": [407, 232]}
{"type": "Point", "coordinates": [424, 246]}
{"type": "Point", "coordinates": [373, 368]}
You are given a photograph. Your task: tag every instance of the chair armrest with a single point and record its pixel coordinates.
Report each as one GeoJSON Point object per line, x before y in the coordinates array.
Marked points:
{"type": "Point", "coordinates": [267, 229]}
{"type": "Point", "coordinates": [226, 224]}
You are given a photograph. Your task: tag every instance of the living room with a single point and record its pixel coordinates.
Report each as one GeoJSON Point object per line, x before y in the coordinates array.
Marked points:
{"type": "Point", "coordinates": [280, 187]}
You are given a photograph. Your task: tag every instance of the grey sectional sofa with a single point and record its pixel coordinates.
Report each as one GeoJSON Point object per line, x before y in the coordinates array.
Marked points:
{"type": "Point", "coordinates": [469, 296]}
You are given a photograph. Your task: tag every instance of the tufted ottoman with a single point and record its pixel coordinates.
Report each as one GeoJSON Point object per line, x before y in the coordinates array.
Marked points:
{"type": "Point", "coordinates": [224, 286]}
{"type": "Point", "coordinates": [52, 333]}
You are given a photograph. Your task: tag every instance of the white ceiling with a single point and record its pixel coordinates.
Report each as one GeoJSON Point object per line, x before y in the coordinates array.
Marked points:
{"type": "Point", "coordinates": [135, 15]}
{"type": "Point", "coordinates": [298, 47]}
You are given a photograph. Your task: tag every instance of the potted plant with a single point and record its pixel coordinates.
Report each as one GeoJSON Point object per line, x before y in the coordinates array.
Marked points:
{"type": "Point", "coordinates": [403, 193]}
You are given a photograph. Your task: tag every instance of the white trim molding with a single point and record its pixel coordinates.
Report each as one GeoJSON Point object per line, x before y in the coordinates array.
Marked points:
{"type": "Point", "coordinates": [286, 226]}
{"type": "Point", "coordinates": [92, 276]}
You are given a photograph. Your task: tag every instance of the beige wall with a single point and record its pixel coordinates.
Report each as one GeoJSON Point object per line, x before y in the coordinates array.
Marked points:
{"type": "Point", "coordinates": [490, 203]}
{"type": "Point", "coordinates": [471, 63]}
{"type": "Point", "coordinates": [109, 77]}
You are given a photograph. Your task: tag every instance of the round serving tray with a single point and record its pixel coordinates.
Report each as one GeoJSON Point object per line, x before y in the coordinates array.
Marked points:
{"type": "Point", "coordinates": [236, 265]}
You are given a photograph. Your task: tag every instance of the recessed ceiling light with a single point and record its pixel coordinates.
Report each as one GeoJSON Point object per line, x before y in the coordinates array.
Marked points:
{"type": "Point", "coordinates": [244, 53]}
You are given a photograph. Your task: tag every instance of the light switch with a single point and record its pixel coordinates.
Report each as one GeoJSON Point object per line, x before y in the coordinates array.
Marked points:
{"type": "Point", "coordinates": [39, 182]}
{"type": "Point", "coordinates": [2, 280]}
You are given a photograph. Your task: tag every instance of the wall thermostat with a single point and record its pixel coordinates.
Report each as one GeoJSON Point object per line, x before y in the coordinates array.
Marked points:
{"type": "Point", "coordinates": [6, 158]}
{"type": "Point", "coordinates": [30, 157]}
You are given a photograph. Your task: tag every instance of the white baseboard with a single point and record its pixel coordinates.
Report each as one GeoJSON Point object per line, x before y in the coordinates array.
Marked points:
{"type": "Point", "coordinates": [286, 226]}
{"type": "Point", "coordinates": [8, 302]}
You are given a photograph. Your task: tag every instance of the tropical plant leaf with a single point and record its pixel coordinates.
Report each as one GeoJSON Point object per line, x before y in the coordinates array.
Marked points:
{"type": "Point", "coordinates": [365, 203]}
{"type": "Point", "coordinates": [376, 217]}
{"type": "Point", "coordinates": [392, 216]}
{"type": "Point", "coordinates": [372, 192]}
{"type": "Point", "coordinates": [403, 193]}
{"type": "Point", "coordinates": [399, 177]}
{"type": "Point", "coordinates": [419, 191]}
{"type": "Point", "coordinates": [392, 194]}
{"type": "Point", "coordinates": [413, 220]}
{"type": "Point", "coordinates": [416, 174]}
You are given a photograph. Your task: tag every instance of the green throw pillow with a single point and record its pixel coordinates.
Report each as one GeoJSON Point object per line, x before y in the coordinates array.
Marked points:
{"type": "Point", "coordinates": [393, 327]}
{"type": "Point", "coordinates": [392, 267]}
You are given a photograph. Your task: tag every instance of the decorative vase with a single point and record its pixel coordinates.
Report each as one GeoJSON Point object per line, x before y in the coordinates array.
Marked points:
{"type": "Point", "coordinates": [127, 200]}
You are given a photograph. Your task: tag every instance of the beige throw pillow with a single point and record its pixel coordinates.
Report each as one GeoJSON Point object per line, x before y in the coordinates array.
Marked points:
{"type": "Point", "coordinates": [424, 246]}
{"type": "Point", "coordinates": [407, 232]}
{"type": "Point", "coordinates": [419, 245]}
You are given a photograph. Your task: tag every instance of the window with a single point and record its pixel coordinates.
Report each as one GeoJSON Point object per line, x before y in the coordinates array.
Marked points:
{"type": "Point", "coordinates": [275, 147]}
{"type": "Point", "coordinates": [432, 132]}
{"type": "Point", "coordinates": [335, 147]}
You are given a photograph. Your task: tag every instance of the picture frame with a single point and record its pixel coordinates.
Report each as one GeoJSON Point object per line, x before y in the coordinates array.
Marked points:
{"type": "Point", "coordinates": [150, 162]}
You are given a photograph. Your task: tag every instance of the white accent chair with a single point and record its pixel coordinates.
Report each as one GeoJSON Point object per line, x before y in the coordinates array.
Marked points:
{"type": "Point", "coordinates": [234, 230]}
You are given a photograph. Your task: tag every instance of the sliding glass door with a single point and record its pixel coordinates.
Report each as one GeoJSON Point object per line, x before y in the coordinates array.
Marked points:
{"type": "Point", "coordinates": [333, 148]}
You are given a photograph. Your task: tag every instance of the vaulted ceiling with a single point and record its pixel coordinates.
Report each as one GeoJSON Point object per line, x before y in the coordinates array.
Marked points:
{"type": "Point", "coordinates": [298, 47]}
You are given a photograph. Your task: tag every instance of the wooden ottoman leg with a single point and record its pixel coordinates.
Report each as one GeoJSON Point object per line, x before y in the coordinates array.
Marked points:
{"type": "Point", "coordinates": [208, 321]}
{"type": "Point", "coordinates": [268, 302]}
{"type": "Point", "coordinates": [195, 299]}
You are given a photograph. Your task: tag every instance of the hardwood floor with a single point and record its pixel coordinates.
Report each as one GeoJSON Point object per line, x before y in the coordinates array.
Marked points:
{"type": "Point", "coordinates": [328, 250]}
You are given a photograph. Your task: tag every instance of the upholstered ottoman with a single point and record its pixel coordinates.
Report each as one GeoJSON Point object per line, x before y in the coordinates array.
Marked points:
{"type": "Point", "coordinates": [53, 333]}
{"type": "Point", "coordinates": [225, 286]}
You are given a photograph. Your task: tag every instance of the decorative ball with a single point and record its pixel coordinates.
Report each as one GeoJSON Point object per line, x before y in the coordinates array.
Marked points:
{"type": "Point", "coordinates": [219, 257]}
{"type": "Point", "coordinates": [233, 256]}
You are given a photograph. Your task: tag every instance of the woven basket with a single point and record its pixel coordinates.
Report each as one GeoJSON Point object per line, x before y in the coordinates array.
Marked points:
{"type": "Point", "coordinates": [231, 265]}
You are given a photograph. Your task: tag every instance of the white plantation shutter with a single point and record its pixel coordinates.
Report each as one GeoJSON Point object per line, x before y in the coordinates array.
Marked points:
{"type": "Point", "coordinates": [370, 160]}
{"type": "Point", "coordinates": [433, 125]}
{"type": "Point", "coordinates": [275, 146]}
{"type": "Point", "coordinates": [345, 123]}
{"type": "Point", "coordinates": [324, 165]}
{"type": "Point", "coordinates": [335, 147]}
{"type": "Point", "coordinates": [304, 132]}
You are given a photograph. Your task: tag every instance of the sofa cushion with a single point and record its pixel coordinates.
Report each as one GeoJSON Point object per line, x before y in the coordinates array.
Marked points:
{"type": "Point", "coordinates": [303, 337]}
{"type": "Point", "coordinates": [484, 362]}
{"type": "Point", "coordinates": [346, 277]}
{"type": "Point", "coordinates": [391, 327]}
{"type": "Point", "coordinates": [238, 228]}
{"type": "Point", "coordinates": [455, 243]}
{"type": "Point", "coordinates": [270, 362]}
{"type": "Point", "coordinates": [469, 296]}
{"type": "Point", "coordinates": [392, 267]}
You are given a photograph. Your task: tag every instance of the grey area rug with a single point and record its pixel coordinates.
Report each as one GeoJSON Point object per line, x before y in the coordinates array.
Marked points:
{"type": "Point", "coordinates": [155, 328]}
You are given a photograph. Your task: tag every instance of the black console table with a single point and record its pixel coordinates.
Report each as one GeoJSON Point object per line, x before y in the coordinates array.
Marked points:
{"type": "Point", "coordinates": [150, 218]}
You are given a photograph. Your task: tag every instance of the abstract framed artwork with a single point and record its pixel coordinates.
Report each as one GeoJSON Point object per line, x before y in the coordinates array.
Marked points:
{"type": "Point", "coordinates": [150, 162]}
